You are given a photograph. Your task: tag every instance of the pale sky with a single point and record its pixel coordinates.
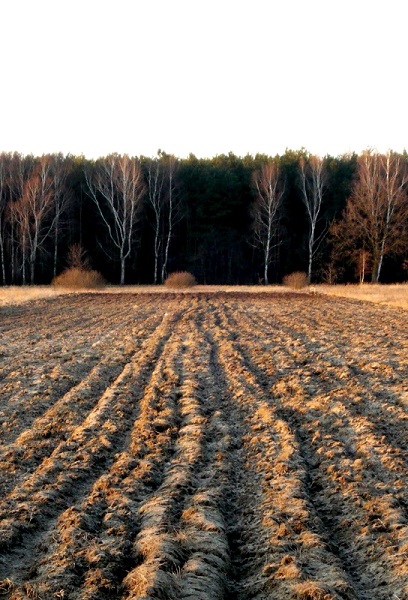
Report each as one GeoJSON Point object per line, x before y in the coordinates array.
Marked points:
{"type": "Point", "coordinates": [203, 76]}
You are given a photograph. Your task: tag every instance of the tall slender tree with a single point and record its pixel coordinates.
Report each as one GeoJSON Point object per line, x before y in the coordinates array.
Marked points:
{"type": "Point", "coordinates": [155, 181]}
{"type": "Point", "coordinates": [269, 191]}
{"type": "Point", "coordinates": [312, 184]}
{"type": "Point", "coordinates": [172, 206]}
{"type": "Point", "coordinates": [61, 167]}
{"type": "Point", "coordinates": [164, 203]}
{"type": "Point", "coordinates": [116, 186]}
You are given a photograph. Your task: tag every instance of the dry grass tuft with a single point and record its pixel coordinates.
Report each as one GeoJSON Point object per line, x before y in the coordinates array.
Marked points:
{"type": "Point", "coordinates": [180, 279]}
{"type": "Point", "coordinates": [79, 278]}
{"type": "Point", "coordinates": [6, 586]}
{"type": "Point", "coordinates": [310, 590]}
{"type": "Point", "coordinates": [296, 280]}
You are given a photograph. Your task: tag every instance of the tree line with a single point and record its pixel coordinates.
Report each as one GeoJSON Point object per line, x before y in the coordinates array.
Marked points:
{"type": "Point", "coordinates": [227, 219]}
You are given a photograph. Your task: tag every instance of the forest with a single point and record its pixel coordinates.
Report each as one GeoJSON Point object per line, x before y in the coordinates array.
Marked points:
{"type": "Point", "coordinates": [227, 219]}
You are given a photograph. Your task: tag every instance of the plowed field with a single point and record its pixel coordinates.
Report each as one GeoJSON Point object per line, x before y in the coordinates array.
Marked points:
{"type": "Point", "coordinates": [203, 447]}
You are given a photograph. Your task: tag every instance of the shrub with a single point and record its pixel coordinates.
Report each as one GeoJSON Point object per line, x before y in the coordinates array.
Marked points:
{"type": "Point", "coordinates": [296, 281]}
{"type": "Point", "coordinates": [79, 278]}
{"type": "Point", "coordinates": [180, 279]}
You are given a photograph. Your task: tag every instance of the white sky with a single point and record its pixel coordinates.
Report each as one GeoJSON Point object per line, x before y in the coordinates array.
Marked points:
{"type": "Point", "coordinates": [203, 76]}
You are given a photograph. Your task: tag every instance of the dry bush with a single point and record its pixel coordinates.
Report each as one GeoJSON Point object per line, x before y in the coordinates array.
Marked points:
{"type": "Point", "coordinates": [79, 278]}
{"type": "Point", "coordinates": [296, 280]}
{"type": "Point", "coordinates": [79, 274]}
{"type": "Point", "coordinates": [180, 279]}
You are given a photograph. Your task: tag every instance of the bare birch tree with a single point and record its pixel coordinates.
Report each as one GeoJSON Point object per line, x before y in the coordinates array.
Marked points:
{"type": "Point", "coordinates": [155, 180]}
{"type": "Point", "coordinates": [31, 214]}
{"type": "Point", "coordinates": [173, 210]}
{"type": "Point", "coordinates": [393, 210]}
{"type": "Point", "coordinates": [312, 184]}
{"type": "Point", "coordinates": [62, 196]}
{"type": "Point", "coordinates": [164, 202]}
{"type": "Point", "coordinates": [375, 221]}
{"type": "Point", "coordinates": [116, 186]}
{"type": "Point", "coordinates": [265, 210]}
